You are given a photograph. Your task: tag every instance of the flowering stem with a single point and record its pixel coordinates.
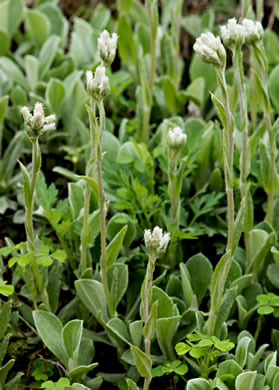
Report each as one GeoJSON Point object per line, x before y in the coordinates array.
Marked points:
{"type": "Point", "coordinates": [103, 210]}
{"type": "Point", "coordinates": [86, 207]}
{"type": "Point", "coordinates": [228, 149]}
{"type": "Point", "coordinates": [36, 164]}
{"type": "Point", "coordinates": [146, 296]}
{"type": "Point", "coordinates": [238, 68]}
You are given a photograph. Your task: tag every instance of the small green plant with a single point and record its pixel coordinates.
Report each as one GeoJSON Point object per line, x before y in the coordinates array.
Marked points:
{"type": "Point", "coordinates": [205, 350]}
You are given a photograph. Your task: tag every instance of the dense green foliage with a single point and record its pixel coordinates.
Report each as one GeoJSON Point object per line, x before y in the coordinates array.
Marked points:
{"type": "Point", "coordinates": [90, 296]}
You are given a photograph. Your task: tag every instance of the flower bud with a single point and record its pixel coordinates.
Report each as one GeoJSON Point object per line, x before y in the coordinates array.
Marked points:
{"type": "Point", "coordinates": [156, 242]}
{"type": "Point", "coordinates": [107, 47]}
{"type": "Point", "coordinates": [37, 124]}
{"type": "Point", "coordinates": [253, 31]}
{"type": "Point", "coordinates": [98, 87]}
{"type": "Point", "coordinates": [210, 49]}
{"type": "Point", "coordinates": [233, 33]}
{"type": "Point", "coordinates": [176, 138]}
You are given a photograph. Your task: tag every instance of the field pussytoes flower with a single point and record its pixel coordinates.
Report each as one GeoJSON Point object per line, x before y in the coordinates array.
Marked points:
{"type": "Point", "coordinates": [157, 241]}
{"type": "Point", "coordinates": [107, 47]}
{"type": "Point", "coordinates": [176, 138]}
{"type": "Point", "coordinates": [210, 49]}
{"type": "Point", "coordinates": [233, 33]}
{"type": "Point", "coordinates": [37, 124]}
{"type": "Point", "coordinates": [253, 31]}
{"type": "Point", "coordinates": [98, 86]}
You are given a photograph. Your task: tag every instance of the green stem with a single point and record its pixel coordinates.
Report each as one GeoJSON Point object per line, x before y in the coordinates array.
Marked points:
{"type": "Point", "coordinates": [146, 298]}
{"type": "Point", "coordinates": [36, 164]}
{"type": "Point", "coordinates": [228, 162]}
{"type": "Point", "coordinates": [86, 207]}
{"type": "Point", "coordinates": [238, 68]}
{"type": "Point", "coordinates": [102, 207]}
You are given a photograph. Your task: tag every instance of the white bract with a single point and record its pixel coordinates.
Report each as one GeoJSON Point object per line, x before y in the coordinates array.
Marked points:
{"type": "Point", "coordinates": [176, 138]}
{"type": "Point", "coordinates": [253, 31]}
{"type": "Point", "coordinates": [98, 87]}
{"type": "Point", "coordinates": [37, 124]}
{"type": "Point", "coordinates": [157, 241]}
{"type": "Point", "coordinates": [233, 33]}
{"type": "Point", "coordinates": [107, 47]}
{"type": "Point", "coordinates": [210, 49]}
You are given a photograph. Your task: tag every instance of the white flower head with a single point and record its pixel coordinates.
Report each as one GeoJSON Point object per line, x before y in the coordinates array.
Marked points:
{"type": "Point", "coordinates": [210, 49]}
{"type": "Point", "coordinates": [253, 31]}
{"type": "Point", "coordinates": [37, 124]}
{"type": "Point", "coordinates": [98, 87]}
{"type": "Point", "coordinates": [233, 33]}
{"type": "Point", "coordinates": [176, 138]}
{"type": "Point", "coordinates": [107, 47]}
{"type": "Point", "coordinates": [156, 242]}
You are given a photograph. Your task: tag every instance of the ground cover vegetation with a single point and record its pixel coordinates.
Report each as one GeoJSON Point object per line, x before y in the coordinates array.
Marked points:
{"type": "Point", "coordinates": [139, 208]}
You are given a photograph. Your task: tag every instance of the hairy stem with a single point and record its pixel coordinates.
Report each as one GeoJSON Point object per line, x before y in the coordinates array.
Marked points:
{"type": "Point", "coordinates": [86, 206]}
{"type": "Point", "coordinates": [36, 164]}
{"type": "Point", "coordinates": [238, 68]}
{"type": "Point", "coordinates": [102, 207]}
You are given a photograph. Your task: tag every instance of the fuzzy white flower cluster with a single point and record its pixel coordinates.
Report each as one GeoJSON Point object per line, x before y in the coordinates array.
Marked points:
{"type": "Point", "coordinates": [37, 124]}
{"type": "Point", "coordinates": [107, 47]}
{"type": "Point", "coordinates": [98, 87]}
{"type": "Point", "coordinates": [248, 31]}
{"type": "Point", "coordinates": [253, 31]}
{"type": "Point", "coordinates": [176, 138]}
{"type": "Point", "coordinates": [233, 33]}
{"type": "Point", "coordinates": [157, 241]}
{"type": "Point", "coordinates": [211, 49]}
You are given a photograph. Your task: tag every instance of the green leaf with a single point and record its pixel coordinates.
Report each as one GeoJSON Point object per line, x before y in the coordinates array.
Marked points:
{"type": "Point", "coordinates": [50, 330]}
{"type": "Point", "coordinates": [27, 184]}
{"type": "Point", "coordinates": [59, 255]}
{"type": "Point", "coordinates": [72, 333]}
{"type": "Point", "coordinates": [182, 348]}
{"type": "Point", "coordinates": [6, 290]}
{"type": "Point", "coordinates": [186, 285]}
{"type": "Point", "coordinates": [119, 328]}
{"type": "Point", "coordinates": [217, 280]}
{"type": "Point", "coordinates": [38, 26]}
{"type": "Point", "coordinates": [225, 308]}
{"type": "Point", "coordinates": [5, 315]}
{"type": "Point", "coordinates": [4, 100]}
{"type": "Point", "coordinates": [93, 185]}
{"type": "Point", "coordinates": [165, 305]}
{"type": "Point", "coordinates": [114, 246]}
{"type": "Point", "coordinates": [92, 295]}
{"type": "Point", "coordinates": [170, 95]}
{"type": "Point", "coordinates": [126, 44]}
{"type": "Point", "coordinates": [198, 352]}
{"type": "Point", "coordinates": [264, 310]}
{"type": "Point", "coordinates": [54, 286]}
{"type": "Point", "coordinates": [5, 43]}
{"type": "Point", "coordinates": [135, 329]}
{"type": "Point", "coordinates": [198, 384]}
{"type": "Point", "coordinates": [200, 271]}
{"type": "Point", "coordinates": [238, 226]}
{"type": "Point", "coordinates": [16, 15]}
{"type": "Point", "coordinates": [220, 110]}
{"type": "Point", "coordinates": [245, 381]}
{"type": "Point", "coordinates": [195, 91]}
{"type": "Point", "coordinates": [55, 93]}
{"type": "Point", "coordinates": [118, 282]}
{"type": "Point", "coordinates": [4, 370]}
{"type": "Point", "coordinates": [47, 55]}
{"type": "Point", "coordinates": [150, 326]}
{"type": "Point", "coordinates": [77, 372]}
{"type": "Point", "coordinates": [166, 328]}
{"type": "Point", "coordinates": [142, 361]}
{"type": "Point", "coordinates": [181, 370]}
{"type": "Point", "coordinates": [273, 273]}
{"type": "Point", "coordinates": [13, 71]}
{"type": "Point", "coordinates": [131, 384]}
{"type": "Point", "coordinates": [32, 70]}
{"type": "Point", "coordinates": [273, 82]}
{"type": "Point", "coordinates": [229, 367]}
{"type": "Point", "coordinates": [242, 349]}
{"type": "Point", "coordinates": [76, 195]}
